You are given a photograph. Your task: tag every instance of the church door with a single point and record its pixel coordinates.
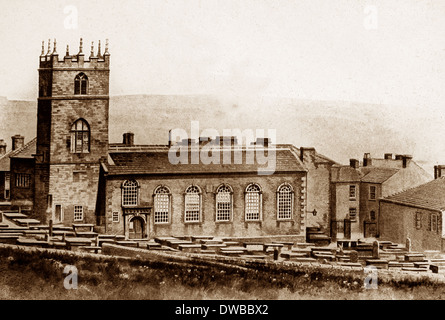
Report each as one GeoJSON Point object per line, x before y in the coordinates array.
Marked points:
{"type": "Point", "coordinates": [136, 228]}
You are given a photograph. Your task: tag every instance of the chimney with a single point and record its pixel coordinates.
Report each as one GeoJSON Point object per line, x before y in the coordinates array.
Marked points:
{"type": "Point", "coordinates": [405, 159]}
{"type": "Point", "coordinates": [226, 141]}
{"type": "Point", "coordinates": [354, 163]}
{"type": "Point", "coordinates": [307, 154]}
{"type": "Point", "coordinates": [128, 139]}
{"type": "Point", "coordinates": [388, 156]}
{"type": "Point", "coordinates": [263, 141]}
{"type": "Point", "coordinates": [367, 161]}
{"type": "Point", "coordinates": [18, 141]}
{"type": "Point", "coordinates": [399, 157]}
{"type": "Point", "coordinates": [2, 147]}
{"type": "Point", "coordinates": [204, 140]}
{"type": "Point", "coordinates": [439, 171]}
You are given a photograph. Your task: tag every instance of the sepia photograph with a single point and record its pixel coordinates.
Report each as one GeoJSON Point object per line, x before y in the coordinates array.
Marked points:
{"type": "Point", "coordinates": [222, 155]}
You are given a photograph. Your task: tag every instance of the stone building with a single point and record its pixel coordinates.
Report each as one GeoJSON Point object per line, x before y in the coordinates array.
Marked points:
{"type": "Point", "coordinates": [72, 133]}
{"type": "Point", "coordinates": [6, 181]}
{"type": "Point", "coordinates": [142, 194]}
{"type": "Point", "coordinates": [417, 214]}
{"type": "Point", "coordinates": [357, 188]}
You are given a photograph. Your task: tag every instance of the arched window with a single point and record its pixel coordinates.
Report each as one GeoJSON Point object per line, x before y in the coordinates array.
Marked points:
{"type": "Point", "coordinates": [130, 193]}
{"type": "Point", "coordinates": [192, 204]}
{"type": "Point", "coordinates": [285, 202]}
{"type": "Point", "coordinates": [80, 137]}
{"type": "Point", "coordinates": [253, 203]}
{"type": "Point", "coordinates": [224, 203]}
{"type": "Point", "coordinates": [161, 205]}
{"type": "Point", "coordinates": [81, 84]}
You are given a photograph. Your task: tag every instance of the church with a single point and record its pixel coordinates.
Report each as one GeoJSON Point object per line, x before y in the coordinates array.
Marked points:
{"type": "Point", "coordinates": [75, 175]}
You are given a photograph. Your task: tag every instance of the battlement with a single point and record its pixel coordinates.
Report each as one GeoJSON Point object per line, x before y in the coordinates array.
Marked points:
{"type": "Point", "coordinates": [94, 61]}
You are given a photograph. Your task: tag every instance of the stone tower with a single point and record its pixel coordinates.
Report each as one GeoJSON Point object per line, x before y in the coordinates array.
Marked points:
{"type": "Point", "coordinates": [72, 133]}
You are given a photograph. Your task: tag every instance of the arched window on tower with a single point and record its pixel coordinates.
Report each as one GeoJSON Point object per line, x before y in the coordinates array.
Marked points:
{"type": "Point", "coordinates": [80, 137]}
{"type": "Point", "coordinates": [81, 84]}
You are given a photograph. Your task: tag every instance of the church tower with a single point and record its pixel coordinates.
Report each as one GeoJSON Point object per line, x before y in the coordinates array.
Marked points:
{"type": "Point", "coordinates": [72, 133]}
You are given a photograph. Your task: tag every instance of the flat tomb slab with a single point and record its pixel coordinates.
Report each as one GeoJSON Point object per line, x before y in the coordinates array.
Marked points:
{"type": "Point", "coordinates": [414, 257]}
{"type": "Point", "coordinates": [378, 263]}
{"type": "Point", "coordinates": [14, 215]}
{"type": "Point", "coordinates": [197, 238]}
{"type": "Point", "coordinates": [292, 255]}
{"type": "Point", "coordinates": [415, 269]}
{"type": "Point", "coordinates": [127, 243]}
{"type": "Point", "coordinates": [27, 221]}
{"type": "Point", "coordinates": [349, 264]}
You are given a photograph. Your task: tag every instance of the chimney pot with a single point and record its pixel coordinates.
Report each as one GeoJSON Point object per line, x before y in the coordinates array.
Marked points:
{"type": "Point", "coordinates": [18, 141]}
{"type": "Point", "coordinates": [128, 139]}
{"type": "Point", "coordinates": [354, 163]}
{"type": "Point", "coordinates": [2, 147]}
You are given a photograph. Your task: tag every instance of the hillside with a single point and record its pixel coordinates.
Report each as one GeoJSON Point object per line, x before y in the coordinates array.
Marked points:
{"type": "Point", "coordinates": [340, 130]}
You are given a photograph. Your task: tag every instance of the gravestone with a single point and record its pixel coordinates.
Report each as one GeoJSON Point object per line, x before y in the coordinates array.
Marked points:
{"type": "Point", "coordinates": [375, 250]}
{"type": "Point", "coordinates": [353, 256]}
{"type": "Point", "coordinates": [408, 245]}
{"type": "Point", "coordinates": [275, 253]}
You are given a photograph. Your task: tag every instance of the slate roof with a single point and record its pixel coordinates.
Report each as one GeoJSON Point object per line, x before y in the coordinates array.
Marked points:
{"type": "Point", "coordinates": [5, 162]}
{"type": "Point", "coordinates": [345, 174]}
{"type": "Point", "coordinates": [430, 195]}
{"type": "Point", "coordinates": [156, 161]}
{"type": "Point", "coordinates": [379, 175]}
{"type": "Point", "coordinates": [25, 152]}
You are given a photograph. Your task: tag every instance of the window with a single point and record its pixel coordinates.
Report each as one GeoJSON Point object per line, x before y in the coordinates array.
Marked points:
{"type": "Point", "coordinates": [352, 192]}
{"type": "Point", "coordinates": [22, 180]}
{"type": "Point", "coordinates": [130, 191]}
{"type": "Point", "coordinates": [418, 220]}
{"type": "Point", "coordinates": [115, 216]}
{"type": "Point", "coordinates": [353, 214]}
{"type": "Point", "coordinates": [78, 213]}
{"type": "Point", "coordinates": [372, 215]}
{"type": "Point", "coordinates": [81, 84]}
{"type": "Point", "coordinates": [285, 201]}
{"type": "Point", "coordinates": [192, 204]}
{"type": "Point", "coordinates": [223, 203]}
{"type": "Point", "coordinates": [7, 185]}
{"type": "Point", "coordinates": [253, 203]}
{"type": "Point", "coordinates": [434, 224]}
{"type": "Point", "coordinates": [161, 205]}
{"type": "Point", "coordinates": [372, 192]}
{"type": "Point", "coordinates": [80, 137]}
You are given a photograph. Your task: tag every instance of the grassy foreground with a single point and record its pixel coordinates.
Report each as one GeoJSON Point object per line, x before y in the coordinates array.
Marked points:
{"type": "Point", "coordinates": [28, 274]}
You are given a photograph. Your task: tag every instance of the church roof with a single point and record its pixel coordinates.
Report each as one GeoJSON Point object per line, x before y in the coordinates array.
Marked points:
{"type": "Point", "coordinates": [156, 161]}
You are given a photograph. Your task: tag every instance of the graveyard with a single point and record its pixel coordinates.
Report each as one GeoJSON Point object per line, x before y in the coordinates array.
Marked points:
{"type": "Point", "coordinates": [342, 263]}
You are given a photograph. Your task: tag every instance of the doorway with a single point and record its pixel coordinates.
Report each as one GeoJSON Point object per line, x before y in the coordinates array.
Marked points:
{"type": "Point", "coordinates": [136, 228]}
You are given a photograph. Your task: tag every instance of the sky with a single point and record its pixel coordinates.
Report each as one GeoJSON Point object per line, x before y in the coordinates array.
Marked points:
{"type": "Point", "coordinates": [386, 52]}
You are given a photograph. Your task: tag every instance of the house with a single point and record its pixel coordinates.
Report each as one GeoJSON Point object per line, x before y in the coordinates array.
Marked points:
{"type": "Point", "coordinates": [417, 214]}
{"type": "Point", "coordinates": [356, 190]}
{"type": "Point", "coordinates": [5, 169]}
{"type": "Point", "coordinates": [22, 165]}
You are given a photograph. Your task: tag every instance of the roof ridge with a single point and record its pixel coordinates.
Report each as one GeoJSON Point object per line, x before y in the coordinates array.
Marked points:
{"type": "Point", "coordinates": [26, 146]}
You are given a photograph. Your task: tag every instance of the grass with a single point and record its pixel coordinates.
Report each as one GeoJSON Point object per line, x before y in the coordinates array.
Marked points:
{"type": "Point", "coordinates": [28, 274]}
